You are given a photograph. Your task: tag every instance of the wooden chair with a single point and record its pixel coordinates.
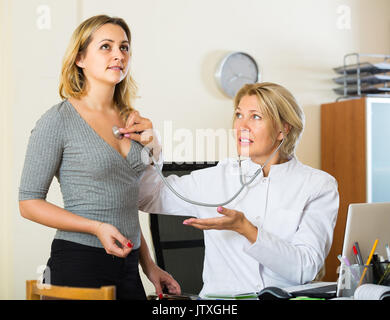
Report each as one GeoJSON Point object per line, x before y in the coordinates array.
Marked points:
{"type": "Point", "coordinates": [33, 292]}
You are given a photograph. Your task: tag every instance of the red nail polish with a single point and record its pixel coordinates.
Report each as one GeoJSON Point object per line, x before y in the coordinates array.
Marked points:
{"type": "Point", "coordinates": [129, 244]}
{"type": "Point", "coordinates": [160, 296]}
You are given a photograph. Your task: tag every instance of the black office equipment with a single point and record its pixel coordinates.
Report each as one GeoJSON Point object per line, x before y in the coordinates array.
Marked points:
{"type": "Point", "coordinates": [274, 293]}
{"type": "Point", "coordinates": [179, 249]}
{"type": "Point", "coordinates": [326, 291]}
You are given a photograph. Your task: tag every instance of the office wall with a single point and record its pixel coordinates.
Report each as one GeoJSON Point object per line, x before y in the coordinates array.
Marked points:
{"type": "Point", "coordinates": [176, 47]}
{"type": "Point", "coordinates": [7, 206]}
{"type": "Point", "coordinates": [40, 32]}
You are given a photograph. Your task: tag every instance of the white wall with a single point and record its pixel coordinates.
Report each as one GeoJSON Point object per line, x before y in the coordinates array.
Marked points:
{"type": "Point", "coordinates": [7, 203]}
{"type": "Point", "coordinates": [37, 55]}
{"type": "Point", "coordinates": [176, 47]}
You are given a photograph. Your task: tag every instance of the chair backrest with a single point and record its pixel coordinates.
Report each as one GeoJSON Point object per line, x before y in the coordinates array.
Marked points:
{"type": "Point", "coordinates": [36, 292]}
{"type": "Point", "coordinates": [179, 249]}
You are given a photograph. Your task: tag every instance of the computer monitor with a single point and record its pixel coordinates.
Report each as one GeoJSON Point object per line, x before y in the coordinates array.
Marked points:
{"type": "Point", "coordinates": [367, 222]}
{"type": "Point", "coordinates": [179, 249]}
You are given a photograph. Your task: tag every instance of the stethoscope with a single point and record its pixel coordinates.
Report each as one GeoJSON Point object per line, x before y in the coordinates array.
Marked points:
{"type": "Point", "coordinates": [118, 135]}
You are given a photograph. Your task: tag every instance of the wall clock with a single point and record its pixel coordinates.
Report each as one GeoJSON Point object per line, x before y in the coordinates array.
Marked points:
{"type": "Point", "coordinates": [235, 70]}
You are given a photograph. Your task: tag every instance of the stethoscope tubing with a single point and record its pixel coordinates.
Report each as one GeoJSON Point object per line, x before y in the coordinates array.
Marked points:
{"type": "Point", "coordinates": [212, 205]}
{"type": "Point", "coordinates": [118, 135]}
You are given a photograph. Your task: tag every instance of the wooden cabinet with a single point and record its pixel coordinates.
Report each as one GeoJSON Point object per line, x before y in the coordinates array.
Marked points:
{"type": "Point", "coordinates": [355, 149]}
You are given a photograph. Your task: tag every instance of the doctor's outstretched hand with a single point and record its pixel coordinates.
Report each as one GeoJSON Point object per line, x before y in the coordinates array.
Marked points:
{"type": "Point", "coordinates": [230, 220]}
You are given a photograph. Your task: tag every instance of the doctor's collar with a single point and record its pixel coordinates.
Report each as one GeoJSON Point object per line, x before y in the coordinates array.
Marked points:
{"type": "Point", "coordinates": [249, 167]}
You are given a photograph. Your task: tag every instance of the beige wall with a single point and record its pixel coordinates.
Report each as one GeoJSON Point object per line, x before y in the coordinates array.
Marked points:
{"type": "Point", "coordinates": [176, 46]}
{"type": "Point", "coordinates": [7, 186]}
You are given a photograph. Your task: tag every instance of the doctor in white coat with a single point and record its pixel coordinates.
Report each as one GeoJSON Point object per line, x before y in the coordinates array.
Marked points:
{"type": "Point", "coordinates": [279, 230]}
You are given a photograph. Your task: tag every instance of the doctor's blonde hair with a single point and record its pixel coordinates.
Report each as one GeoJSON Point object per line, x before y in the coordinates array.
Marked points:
{"type": "Point", "coordinates": [279, 105]}
{"type": "Point", "coordinates": [72, 81]}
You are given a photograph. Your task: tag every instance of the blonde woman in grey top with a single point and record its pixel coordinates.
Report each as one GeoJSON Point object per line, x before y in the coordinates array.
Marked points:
{"type": "Point", "coordinates": [98, 241]}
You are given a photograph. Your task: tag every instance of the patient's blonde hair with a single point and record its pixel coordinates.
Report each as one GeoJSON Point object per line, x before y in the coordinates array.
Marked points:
{"type": "Point", "coordinates": [72, 81]}
{"type": "Point", "coordinates": [279, 105]}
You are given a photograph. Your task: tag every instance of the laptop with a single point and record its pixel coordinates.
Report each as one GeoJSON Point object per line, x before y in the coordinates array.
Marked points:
{"type": "Point", "coordinates": [366, 222]}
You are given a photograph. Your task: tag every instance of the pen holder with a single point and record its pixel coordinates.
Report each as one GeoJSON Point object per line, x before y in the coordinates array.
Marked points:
{"type": "Point", "coordinates": [382, 273]}
{"type": "Point", "coordinates": [350, 278]}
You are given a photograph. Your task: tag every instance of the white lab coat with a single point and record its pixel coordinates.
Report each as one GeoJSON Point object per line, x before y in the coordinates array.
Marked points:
{"type": "Point", "coordinates": [294, 209]}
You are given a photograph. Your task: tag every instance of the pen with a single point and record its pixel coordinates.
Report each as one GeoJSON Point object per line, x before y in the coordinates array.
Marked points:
{"type": "Point", "coordinates": [388, 252]}
{"type": "Point", "coordinates": [358, 255]}
{"type": "Point", "coordinates": [368, 261]}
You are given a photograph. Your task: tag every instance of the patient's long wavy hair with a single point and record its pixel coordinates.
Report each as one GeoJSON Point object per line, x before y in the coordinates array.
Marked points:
{"type": "Point", "coordinates": [72, 81]}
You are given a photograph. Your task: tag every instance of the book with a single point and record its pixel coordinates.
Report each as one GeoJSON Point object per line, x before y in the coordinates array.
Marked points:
{"type": "Point", "coordinates": [369, 292]}
{"type": "Point", "coordinates": [372, 292]}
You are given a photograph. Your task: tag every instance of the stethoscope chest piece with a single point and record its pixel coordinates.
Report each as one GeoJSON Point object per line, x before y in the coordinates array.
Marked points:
{"type": "Point", "coordinates": [117, 134]}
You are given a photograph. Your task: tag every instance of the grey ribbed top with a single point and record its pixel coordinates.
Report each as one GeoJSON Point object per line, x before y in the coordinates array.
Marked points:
{"type": "Point", "coordinates": [96, 181]}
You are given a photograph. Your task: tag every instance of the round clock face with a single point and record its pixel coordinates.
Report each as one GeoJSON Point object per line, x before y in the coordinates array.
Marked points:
{"type": "Point", "coordinates": [235, 70]}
